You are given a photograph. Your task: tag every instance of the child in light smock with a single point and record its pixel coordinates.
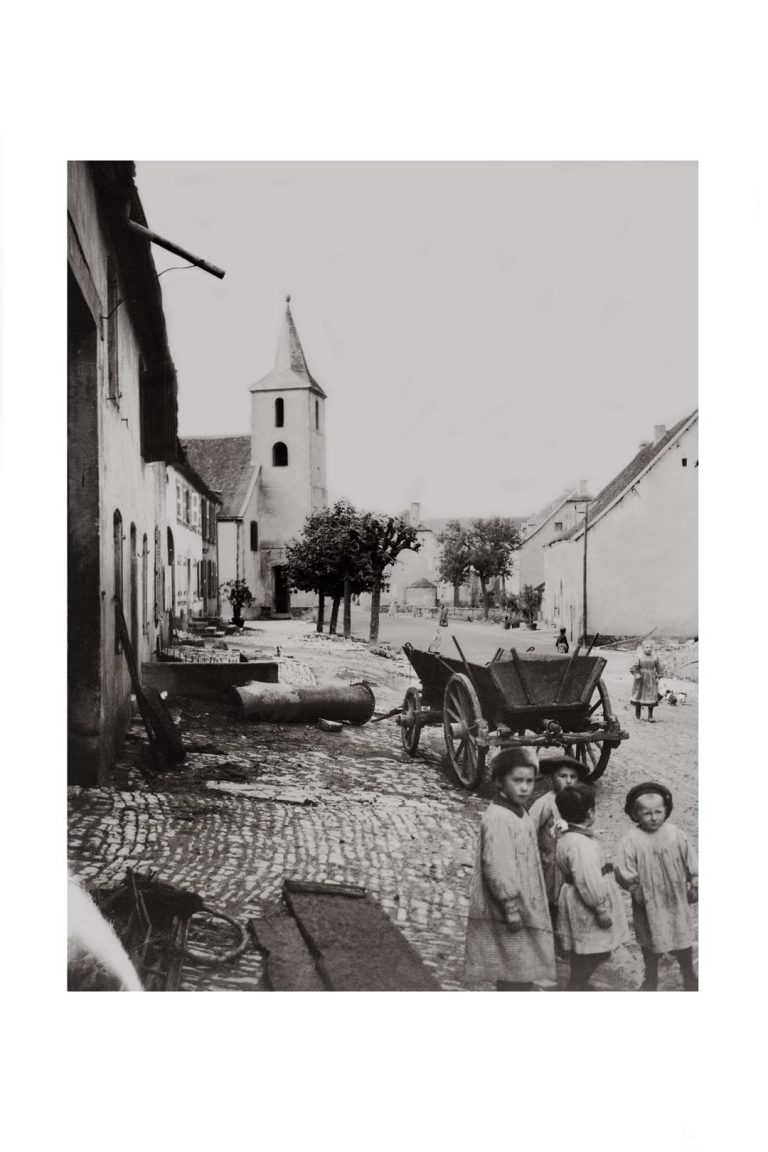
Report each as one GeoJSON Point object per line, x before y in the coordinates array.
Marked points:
{"type": "Point", "coordinates": [657, 864]}
{"type": "Point", "coordinates": [562, 771]}
{"type": "Point", "coordinates": [591, 921]}
{"type": "Point", "coordinates": [645, 687]}
{"type": "Point", "coordinates": [509, 930]}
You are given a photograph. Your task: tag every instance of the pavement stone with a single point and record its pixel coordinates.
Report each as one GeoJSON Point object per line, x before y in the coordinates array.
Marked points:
{"type": "Point", "coordinates": [270, 802]}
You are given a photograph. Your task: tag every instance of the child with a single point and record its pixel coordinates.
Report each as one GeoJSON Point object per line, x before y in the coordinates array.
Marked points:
{"type": "Point", "coordinates": [563, 771]}
{"type": "Point", "coordinates": [645, 689]}
{"type": "Point", "coordinates": [591, 920]}
{"type": "Point", "coordinates": [509, 931]}
{"type": "Point", "coordinates": [657, 864]}
{"type": "Point", "coordinates": [561, 644]}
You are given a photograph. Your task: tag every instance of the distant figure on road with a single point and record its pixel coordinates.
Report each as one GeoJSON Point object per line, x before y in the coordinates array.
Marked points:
{"type": "Point", "coordinates": [645, 688]}
{"type": "Point", "coordinates": [561, 643]}
{"type": "Point", "coordinates": [393, 608]}
{"type": "Point", "coordinates": [444, 616]}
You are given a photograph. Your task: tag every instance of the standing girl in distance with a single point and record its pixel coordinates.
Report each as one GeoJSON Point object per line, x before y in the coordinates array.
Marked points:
{"type": "Point", "coordinates": [645, 688]}
{"type": "Point", "coordinates": [509, 930]}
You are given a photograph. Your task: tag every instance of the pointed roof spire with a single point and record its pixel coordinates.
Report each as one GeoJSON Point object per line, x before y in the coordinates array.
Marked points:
{"type": "Point", "coordinates": [291, 369]}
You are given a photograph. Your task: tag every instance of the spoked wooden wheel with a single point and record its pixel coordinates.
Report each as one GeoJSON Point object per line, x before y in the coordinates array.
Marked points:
{"type": "Point", "coordinates": [599, 719]}
{"type": "Point", "coordinates": [461, 714]}
{"type": "Point", "coordinates": [410, 729]}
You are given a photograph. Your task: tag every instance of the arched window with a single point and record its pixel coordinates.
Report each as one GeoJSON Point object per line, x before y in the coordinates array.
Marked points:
{"type": "Point", "coordinates": [279, 455]}
{"type": "Point", "coordinates": [117, 550]}
{"type": "Point", "coordinates": [279, 412]}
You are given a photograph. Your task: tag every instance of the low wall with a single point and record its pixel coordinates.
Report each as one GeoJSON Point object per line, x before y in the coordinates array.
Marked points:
{"type": "Point", "coordinates": [205, 680]}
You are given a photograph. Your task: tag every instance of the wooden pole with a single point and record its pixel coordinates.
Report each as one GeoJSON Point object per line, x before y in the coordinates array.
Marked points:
{"type": "Point", "coordinates": [584, 590]}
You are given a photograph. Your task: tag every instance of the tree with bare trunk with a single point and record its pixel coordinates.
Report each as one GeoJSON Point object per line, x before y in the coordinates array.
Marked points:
{"type": "Point", "coordinates": [485, 547]}
{"type": "Point", "coordinates": [380, 540]}
{"type": "Point", "coordinates": [325, 560]}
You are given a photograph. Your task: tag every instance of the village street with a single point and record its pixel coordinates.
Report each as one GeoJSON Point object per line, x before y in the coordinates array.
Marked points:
{"type": "Point", "coordinates": [255, 804]}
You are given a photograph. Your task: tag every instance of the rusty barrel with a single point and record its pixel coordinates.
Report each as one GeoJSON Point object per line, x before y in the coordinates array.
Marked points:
{"type": "Point", "coordinates": [293, 703]}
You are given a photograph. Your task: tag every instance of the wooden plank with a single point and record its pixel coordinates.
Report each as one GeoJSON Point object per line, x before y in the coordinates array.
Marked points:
{"type": "Point", "coordinates": [356, 946]}
{"type": "Point", "coordinates": [290, 966]}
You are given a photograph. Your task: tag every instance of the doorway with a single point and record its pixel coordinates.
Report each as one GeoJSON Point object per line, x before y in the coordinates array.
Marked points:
{"type": "Point", "coordinates": [282, 600]}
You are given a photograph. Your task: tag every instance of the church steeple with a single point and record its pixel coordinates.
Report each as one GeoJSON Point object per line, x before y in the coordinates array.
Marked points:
{"type": "Point", "coordinates": [291, 369]}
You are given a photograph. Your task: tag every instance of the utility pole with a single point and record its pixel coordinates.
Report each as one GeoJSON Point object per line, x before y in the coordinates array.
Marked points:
{"type": "Point", "coordinates": [584, 589]}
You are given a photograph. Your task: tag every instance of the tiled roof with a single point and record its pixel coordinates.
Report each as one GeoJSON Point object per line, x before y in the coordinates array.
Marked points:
{"type": "Point", "coordinates": [439, 523]}
{"type": "Point", "coordinates": [224, 463]}
{"type": "Point", "coordinates": [290, 370]}
{"type": "Point", "coordinates": [644, 458]}
{"type": "Point", "coordinates": [547, 513]}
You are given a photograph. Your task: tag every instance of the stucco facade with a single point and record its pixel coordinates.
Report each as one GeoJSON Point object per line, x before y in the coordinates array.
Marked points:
{"type": "Point", "coordinates": [642, 549]}
{"type": "Point", "coordinates": [191, 511]}
{"type": "Point", "coordinates": [558, 518]}
{"type": "Point", "coordinates": [121, 432]}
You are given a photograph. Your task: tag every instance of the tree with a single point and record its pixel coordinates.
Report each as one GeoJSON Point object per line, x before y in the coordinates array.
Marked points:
{"type": "Point", "coordinates": [485, 547]}
{"type": "Point", "coordinates": [454, 557]}
{"type": "Point", "coordinates": [530, 602]}
{"type": "Point", "coordinates": [378, 541]}
{"type": "Point", "coordinates": [324, 560]}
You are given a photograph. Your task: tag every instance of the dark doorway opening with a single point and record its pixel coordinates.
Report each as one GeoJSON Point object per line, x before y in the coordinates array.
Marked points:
{"type": "Point", "coordinates": [282, 591]}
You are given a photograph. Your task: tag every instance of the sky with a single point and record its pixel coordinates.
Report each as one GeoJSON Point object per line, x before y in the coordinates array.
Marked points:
{"type": "Point", "coordinates": [488, 334]}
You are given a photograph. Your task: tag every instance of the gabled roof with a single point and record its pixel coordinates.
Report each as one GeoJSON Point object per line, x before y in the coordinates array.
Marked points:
{"type": "Point", "coordinates": [290, 370]}
{"type": "Point", "coordinates": [546, 514]}
{"type": "Point", "coordinates": [438, 524]}
{"type": "Point", "coordinates": [645, 459]}
{"type": "Point", "coordinates": [224, 463]}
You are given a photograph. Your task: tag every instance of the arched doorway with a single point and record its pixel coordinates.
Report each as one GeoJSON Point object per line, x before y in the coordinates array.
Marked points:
{"type": "Point", "coordinates": [117, 551]}
{"type": "Point", "coordinates": [134, 592]}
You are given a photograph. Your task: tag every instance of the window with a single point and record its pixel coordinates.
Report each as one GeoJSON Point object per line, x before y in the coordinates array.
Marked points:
{"type": "Point", "coordinates": [178, 502]}
{"type": "Point", "coordinates": [279, 412]}
{"type": "Point", "coordinates": [159, 578]}
{"type": "Point", "coordinates": [254, 536]}
{"type": "Point", "coordinates": [113, 300]}
{"type": "Point", "coordinates": [279, 455]}
{"type": "Point", "coordinates": [204, 518]}
{"type": "Point", "coordinates": [685, 461]}
{"type": "Point", "coordinates": [317, 415]}
{"type": "Point", "coordinates": [196, 511]}
{"type": "Point", "coordinates": [558, 525]}
{"type": "Point", "coordinates": [187, 503]}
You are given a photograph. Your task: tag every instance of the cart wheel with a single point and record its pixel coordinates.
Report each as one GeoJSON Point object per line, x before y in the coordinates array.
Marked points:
{"type": "Point", "coordinates": [410, 729]}
{"type": "Point", "coordinates": [461, 713]}
{"type": "Point", "coordinates": [600, 715]}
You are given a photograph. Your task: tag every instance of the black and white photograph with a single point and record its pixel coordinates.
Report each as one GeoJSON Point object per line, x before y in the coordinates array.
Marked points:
{"type": "Point", "coordinates": [382, 576]}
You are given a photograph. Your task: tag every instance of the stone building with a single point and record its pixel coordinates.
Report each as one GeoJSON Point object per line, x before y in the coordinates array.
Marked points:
{"type": "Point", "coordinates": [642, 547]}
{"type": "Point", "coordinates": [122, 431]}
{"type": "Point", "coordinates": [269, 481]}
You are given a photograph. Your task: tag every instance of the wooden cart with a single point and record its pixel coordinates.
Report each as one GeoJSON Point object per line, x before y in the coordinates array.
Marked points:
{"type": "Point", "coordinates": [514, 701]}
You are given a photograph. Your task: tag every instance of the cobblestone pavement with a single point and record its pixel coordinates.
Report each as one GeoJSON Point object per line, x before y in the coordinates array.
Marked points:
{"type": "Point", "coordinates": [257, 803]}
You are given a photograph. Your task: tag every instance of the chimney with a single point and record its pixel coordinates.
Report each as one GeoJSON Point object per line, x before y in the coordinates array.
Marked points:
{"type": "Point", "coordinates": [644, 444]}
{"type": "Point", "coordinates": [659, 430]}
{"type": "Point", "coordinates": [415, 514]}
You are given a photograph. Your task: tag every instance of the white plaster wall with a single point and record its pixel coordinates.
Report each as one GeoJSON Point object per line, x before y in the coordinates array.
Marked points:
{"type": "Point", "coordinates": [127, 484]}
{"type": "Point", "coordinates": [642, 555]}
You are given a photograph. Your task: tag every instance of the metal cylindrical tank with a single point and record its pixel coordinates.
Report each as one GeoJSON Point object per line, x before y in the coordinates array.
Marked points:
{"type": "Point", "coordinates": [293, 703]}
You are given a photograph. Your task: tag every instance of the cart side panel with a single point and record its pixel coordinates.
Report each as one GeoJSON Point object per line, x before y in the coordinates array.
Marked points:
{"type": "Point", "coordinates": [546, 678]}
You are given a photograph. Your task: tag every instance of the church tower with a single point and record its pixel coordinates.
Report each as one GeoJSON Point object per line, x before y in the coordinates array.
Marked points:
{"type": "Point", "coordinates": [288, 449]}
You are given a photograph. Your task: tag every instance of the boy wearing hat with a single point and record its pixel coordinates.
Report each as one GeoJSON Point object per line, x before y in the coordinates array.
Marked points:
{"type": "Point", "coordinates": [657, 864]}
{"type": "Point", "coordinates": [509, 929]}
{"type": "Point", "coordinates": [563, 772]}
